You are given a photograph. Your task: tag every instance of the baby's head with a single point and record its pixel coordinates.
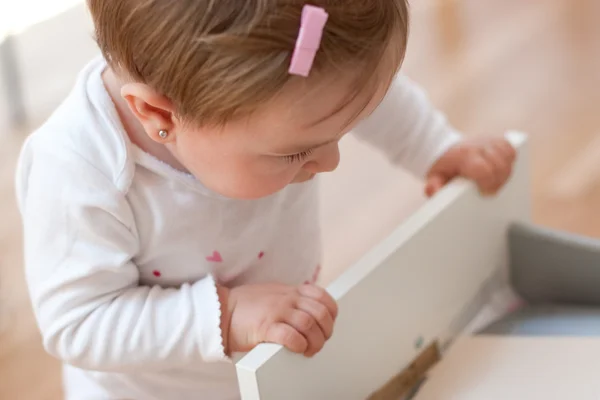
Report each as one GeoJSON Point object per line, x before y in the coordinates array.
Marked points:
{"type": "Point", "coordinates": [214, 74]}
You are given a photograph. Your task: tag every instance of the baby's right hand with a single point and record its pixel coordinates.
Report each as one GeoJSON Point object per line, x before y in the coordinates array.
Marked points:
{"type": "Point", "coordinates": [299, 318]}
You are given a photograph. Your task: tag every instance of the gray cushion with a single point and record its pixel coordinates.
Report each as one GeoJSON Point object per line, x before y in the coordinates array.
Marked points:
{"type": "Point", "coordinates": [548, 320]}
{"type": "Point", "coordinates": [554, 267]}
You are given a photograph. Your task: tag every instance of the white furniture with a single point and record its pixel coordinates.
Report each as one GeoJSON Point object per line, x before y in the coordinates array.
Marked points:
{"type": "Point", "coordinates": [11, 81]}
{"type": "Point", "coordinates": [43, 46]}
{"type": "Point", "coordinates": [421, 285]}
{"type": "Point", "coordinates": [517, 368]}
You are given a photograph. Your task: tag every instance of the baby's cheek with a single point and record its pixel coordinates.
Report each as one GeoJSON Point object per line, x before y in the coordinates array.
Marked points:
{"type": "Point", "coordinates": [245, 177]}
{"type": "Point", "coordinates": [271, 179]}
{"type": "Point", "coordinates": [267, 185]}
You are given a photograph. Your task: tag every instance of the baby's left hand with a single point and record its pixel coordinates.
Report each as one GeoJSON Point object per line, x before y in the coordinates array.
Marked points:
{"type": "Point", "coordinates": [486, 161]}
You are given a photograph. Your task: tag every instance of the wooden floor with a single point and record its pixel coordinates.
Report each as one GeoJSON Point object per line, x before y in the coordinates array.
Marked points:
{"type": "Point", "coordinates": [491, 65]}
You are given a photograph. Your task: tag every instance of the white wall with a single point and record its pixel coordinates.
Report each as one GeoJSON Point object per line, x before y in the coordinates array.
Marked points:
{"type": "Point", "coordinates": [49, 56]}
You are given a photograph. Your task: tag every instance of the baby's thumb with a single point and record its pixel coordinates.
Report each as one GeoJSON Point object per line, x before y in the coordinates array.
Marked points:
{"type": "Point", "coordinates": [434, 184]}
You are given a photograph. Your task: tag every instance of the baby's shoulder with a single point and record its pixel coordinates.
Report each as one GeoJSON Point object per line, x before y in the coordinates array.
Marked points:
{"type": "Point", "coordinates": [78, 137]}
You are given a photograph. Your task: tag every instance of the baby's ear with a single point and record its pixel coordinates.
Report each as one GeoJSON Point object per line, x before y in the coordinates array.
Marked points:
{"type": "Point", "coordinates": [154, 111]}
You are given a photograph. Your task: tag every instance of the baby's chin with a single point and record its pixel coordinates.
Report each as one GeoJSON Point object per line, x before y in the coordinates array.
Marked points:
{"type": "Point", "coordinates": [253, 192]}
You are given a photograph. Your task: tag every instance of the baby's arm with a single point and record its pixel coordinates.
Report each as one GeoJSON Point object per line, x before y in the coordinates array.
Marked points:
{"type": "Point", "coordinates": [80, 239]}
{"type": "Point", "coordinates": [408, 129]}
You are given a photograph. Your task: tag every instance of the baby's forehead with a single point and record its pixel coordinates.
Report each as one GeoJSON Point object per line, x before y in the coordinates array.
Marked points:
{"type": "Point", "coordinates": [340, 96]}
{"type": "Point", "coordinates": [330, 101]}
{"type": "Point", "coordinates": [315, 114]}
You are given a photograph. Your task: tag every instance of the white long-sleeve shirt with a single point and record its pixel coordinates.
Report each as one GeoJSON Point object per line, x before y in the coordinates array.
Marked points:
{"type": "Point", "coordinates": [122, 252]}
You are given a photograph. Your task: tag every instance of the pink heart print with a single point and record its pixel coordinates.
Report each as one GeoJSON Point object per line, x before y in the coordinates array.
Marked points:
{"type": "Point", "coordinates": [216, 257]}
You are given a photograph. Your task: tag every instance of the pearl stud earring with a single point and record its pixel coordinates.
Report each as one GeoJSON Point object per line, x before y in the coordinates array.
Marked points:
{"type": "Point", "coordinates": [163, 134]}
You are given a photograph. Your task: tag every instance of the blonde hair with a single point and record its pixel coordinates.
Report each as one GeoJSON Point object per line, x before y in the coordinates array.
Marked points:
{"type": "Point", "coordinates": [219, 59]}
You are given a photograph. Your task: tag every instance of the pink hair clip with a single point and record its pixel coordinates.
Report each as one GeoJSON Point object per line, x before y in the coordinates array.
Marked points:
{"type": "Point", "coordinates": [309, 40]}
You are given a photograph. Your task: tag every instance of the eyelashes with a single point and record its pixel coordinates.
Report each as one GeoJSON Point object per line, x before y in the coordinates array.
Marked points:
{"type": "Point", "coordinates": [299, 157]}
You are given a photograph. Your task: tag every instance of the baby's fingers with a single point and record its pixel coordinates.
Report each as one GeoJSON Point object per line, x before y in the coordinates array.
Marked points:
{"type": "Point", "coordinates": [479, 169]}
{"type": "Point", "coordinates": [319, 313]}
{"type": "Point", "coordinates": [287, 336]}
{"type": "Point", "coordinates": [305, 324]}
{"type": "Point", "coordinates": [501, 165]}
{"type": "Point", "coordinates": [434, 184]}
{"type": "Point", "coordinates": [320, 295]}
{"type": "Point", "coordinates": [504, 147]}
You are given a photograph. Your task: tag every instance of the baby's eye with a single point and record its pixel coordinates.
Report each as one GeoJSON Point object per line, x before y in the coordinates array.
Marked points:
{"type": "Point", "coordinates": [294, 158]}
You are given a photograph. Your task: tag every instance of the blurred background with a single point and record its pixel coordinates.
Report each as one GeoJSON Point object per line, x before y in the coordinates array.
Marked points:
{"type": "Point", "coordinates": [490, 65]}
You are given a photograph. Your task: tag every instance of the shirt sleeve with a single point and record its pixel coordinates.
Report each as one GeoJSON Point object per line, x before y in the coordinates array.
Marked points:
{"type": "Point", "coordinates": [80, 240]}
{"type": "Point", "coordinates": [407, 128]}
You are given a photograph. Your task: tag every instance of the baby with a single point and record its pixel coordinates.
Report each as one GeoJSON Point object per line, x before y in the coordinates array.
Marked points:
{"type": "Point", "coordinates": [170, 203]}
